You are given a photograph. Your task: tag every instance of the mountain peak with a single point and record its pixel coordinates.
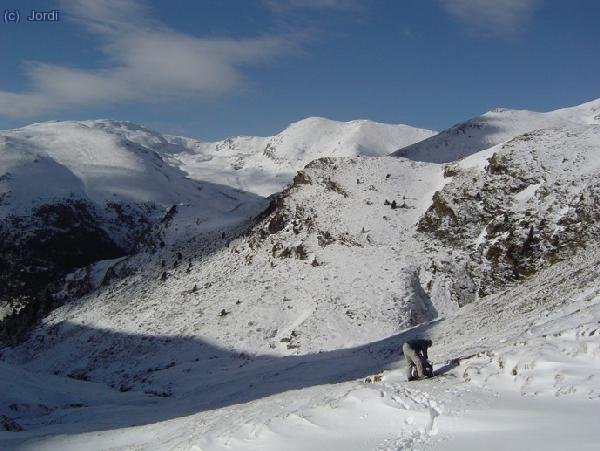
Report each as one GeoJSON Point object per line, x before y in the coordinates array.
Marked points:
{"type": "Point", "coordinates": [265, 165]}
{"type": "Point", "coordinates": [494, 127]}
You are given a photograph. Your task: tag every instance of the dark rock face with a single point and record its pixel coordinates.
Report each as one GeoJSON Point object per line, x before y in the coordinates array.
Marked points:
{"type": "Point", "coordinates": [38, 250]}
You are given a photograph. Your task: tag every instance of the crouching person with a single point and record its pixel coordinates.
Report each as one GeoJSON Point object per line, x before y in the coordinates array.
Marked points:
{"type": "Point", "coordinates": [415, 353]}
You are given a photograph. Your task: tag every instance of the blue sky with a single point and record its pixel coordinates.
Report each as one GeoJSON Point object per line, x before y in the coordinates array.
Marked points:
{"type": "Point", "coordinates": [215, 68]}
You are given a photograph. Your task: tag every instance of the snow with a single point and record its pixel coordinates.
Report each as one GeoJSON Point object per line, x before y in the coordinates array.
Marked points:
{"type": "Point", "coordinates": [99, 269]}
{"type": "Point", "coordinates": [324, 305]}
{"type": "Point", "coordinates": [531, 381]}
{"type": "Point", "coordinates": [265, 165]}
{"type": "Point", "coordinates": [493, 128]}
{"type": "Point", "coordinates": [93, 160]}
{"type": "Point", "coordinates": [527, 193]}
{"type": "Point", "coordinates": [97, 162]}
{"type": "Point", "coordinates": [101, 167]}
{"type": "Point", "coordinates": [241, 347]}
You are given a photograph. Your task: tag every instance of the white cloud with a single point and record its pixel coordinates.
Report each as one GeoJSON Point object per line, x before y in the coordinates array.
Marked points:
{"type": "Point", "coordinates": [286, 5]}
{"type": "Point", "coordinates": [492, 17]}
{"type": "Point", "coordinates": [147, 62]}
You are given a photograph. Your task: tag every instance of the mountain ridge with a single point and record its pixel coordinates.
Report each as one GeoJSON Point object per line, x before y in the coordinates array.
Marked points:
{"type": "Point", "coordinates": [492, 128]}
{"type": "Point", "coordinates": [265, 165]}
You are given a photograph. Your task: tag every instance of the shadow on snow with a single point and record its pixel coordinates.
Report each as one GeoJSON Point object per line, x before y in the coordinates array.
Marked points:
{"type": "Point", "coordinates": [162, 378]}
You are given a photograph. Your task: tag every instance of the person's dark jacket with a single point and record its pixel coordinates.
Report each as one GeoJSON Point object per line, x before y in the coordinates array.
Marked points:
{"type": "Point", "coordinates": [420, 346]}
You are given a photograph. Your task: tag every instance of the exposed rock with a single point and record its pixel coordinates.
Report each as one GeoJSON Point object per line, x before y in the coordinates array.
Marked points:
{"type": "Point", "coordinates": [518, 215]}
{"type": "Point", "coordinates": [8, 424]}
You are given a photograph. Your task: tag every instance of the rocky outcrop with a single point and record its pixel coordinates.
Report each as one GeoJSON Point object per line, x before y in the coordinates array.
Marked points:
{"type": "Point", "coordinates": [530, 206]}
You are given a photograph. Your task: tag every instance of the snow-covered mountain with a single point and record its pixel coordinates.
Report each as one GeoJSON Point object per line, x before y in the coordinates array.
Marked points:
{"type": "Point", "coordinates": [357, 249]}
{"type": "Point", "coordinates": [96, 162]}
{"type": "Point", "coordinates": [265, 165]}
{"type": "Point", "coordinates": [275, 334]}
{"type": "Point", "coordinates": [72, 193]}
{"type": "Point", "coordinates": [519, 206]}
{"type": "Point", "coordinates": [492, 128]}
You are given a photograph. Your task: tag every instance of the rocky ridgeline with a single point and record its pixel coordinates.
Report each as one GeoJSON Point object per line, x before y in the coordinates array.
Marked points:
{"type": "Point", "coordinates": [286, 214]}
{"type": "Point", "coordinates": [533, 201]}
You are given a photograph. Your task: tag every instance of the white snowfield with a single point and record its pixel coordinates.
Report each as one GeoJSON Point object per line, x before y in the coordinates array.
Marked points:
{"type": "Point", "coordinates": [265, 165]}
{"type": "Point", "coordinates": [288, 337]}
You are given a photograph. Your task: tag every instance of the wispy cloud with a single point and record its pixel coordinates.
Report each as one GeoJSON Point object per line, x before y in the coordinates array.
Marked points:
{"type": "Point", "coordinates": [505, 18]}
{"type": "Point", "coordinates": [286, 5]}
{"type": "Point", "coordinates": [147, 62]}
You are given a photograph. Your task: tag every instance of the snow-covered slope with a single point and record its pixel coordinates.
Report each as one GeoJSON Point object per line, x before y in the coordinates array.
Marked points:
{"type": "Point", "coordinates": [72, 193]}
{"type": "Point", "coordinates": [355, 250]}
{"type": "Point", "coordinates": [265, 165]}
{"type": "Point", "coordinates": [519, 206]}
{"type": "Point", "coordinates": [524, 376]}
{"type": "Point", "coordinates": [316, 273]}
{"type": "Point", "coordinates": [95, 162]}
{"type": "Point", "coordinates": [270, 335]}
{"type": "Point", "coordinates": [492, 128]}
